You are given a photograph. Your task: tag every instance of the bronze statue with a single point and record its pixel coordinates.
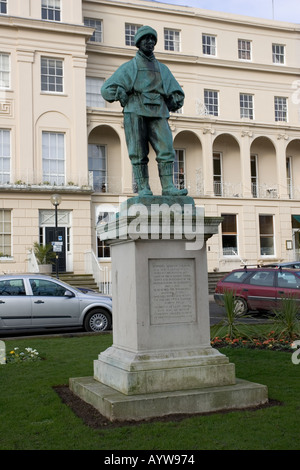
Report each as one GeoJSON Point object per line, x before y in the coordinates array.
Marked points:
{"type": "Point", "coordinates": [147, 91]}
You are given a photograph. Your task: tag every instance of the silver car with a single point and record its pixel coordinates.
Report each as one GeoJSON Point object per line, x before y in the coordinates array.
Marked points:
{"type": "Point", "coordinates": [31, 301]}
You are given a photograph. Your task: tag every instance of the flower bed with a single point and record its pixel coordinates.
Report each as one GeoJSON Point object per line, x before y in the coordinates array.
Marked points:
{"type": "Point", "coordinates": [269, 342]}
{"type": "Point", "coordinates": [28, 355]}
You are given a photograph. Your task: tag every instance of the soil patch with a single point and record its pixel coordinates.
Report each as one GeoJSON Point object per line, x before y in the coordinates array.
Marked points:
{"type": "Point", "coordinates": [93, 418]}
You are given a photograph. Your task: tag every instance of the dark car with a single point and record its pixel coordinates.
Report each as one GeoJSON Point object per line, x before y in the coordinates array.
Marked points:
{"type": "Point", "coordinates": [259, 289]}
{"type": "Point", "coordinates": [288, 264]}
{"type": "Point", "coordinates": [31, 301]}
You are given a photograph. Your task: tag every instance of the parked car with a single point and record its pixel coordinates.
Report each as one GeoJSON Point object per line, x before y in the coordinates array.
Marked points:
{"type": "Point", "coordinates": [258, 289]}
{"type": "Point", "coordinates": [36, 301]}
{"type": "Point", "coordinates": [289, 264]}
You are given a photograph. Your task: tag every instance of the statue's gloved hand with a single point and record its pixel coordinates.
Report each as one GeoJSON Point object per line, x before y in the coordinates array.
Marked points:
{"type": "Point", "coordinates": [121, 96]}
{"type": "Point", "coordinates": [174, 101]}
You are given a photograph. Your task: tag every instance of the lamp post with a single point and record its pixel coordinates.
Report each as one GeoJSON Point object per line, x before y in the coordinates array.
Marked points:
{"type": "Point", "coordinates": [56, 200]}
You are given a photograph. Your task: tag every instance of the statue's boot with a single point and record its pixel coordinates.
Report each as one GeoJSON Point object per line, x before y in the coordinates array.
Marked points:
{"type": "Point", "coordinates": [165, 171]}
{"type": "Point", "coordinates": [141, 177]}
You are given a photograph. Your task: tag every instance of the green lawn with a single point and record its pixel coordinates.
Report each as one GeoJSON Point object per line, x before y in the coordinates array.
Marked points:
{"type": "Point", "coordinates": [33, 417]}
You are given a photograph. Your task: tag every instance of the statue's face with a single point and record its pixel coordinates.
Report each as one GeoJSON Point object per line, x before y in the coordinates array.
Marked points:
{"type": "Point", "coordinates": [147, 44]}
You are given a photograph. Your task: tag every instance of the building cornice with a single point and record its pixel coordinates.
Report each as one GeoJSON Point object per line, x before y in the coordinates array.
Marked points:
{"type": "Point", "coordinates": [202, 14]}
{"type": "Point", "coordinates": [206, 124]}
{"type": "Point", "coordinates": [128, 53]}
{"type": "Point", "coordinates": [46, 26]}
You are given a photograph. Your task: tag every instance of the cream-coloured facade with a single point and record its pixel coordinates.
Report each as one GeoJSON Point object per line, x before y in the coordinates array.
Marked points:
{"type": "Point", "coordinates": [237, 137]}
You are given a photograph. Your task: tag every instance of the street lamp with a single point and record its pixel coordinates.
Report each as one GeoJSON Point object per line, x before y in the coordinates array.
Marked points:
{"type": "Point", "coordinates": [56, 200]}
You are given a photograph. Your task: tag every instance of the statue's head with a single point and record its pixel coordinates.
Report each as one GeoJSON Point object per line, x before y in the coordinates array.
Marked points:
{"type": "Point", "coordinates": [142, 33]}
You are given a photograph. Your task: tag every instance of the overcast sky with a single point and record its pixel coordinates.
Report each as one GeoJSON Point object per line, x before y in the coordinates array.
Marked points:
{"type": "Point", "coordinates": [284, 10]}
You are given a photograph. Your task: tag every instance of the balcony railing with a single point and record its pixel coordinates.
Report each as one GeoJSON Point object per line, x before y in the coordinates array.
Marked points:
{"type": "Point", "coordinates": [113, 185]}
{"type": "Point", "coordinates": [264, 191]}
{"type": "Point", "coordinates": [31, 180]}
{"type": "Point", "coordinates": [227, 189]}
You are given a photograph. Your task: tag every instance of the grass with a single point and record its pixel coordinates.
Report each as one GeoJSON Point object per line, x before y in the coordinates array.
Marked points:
{"type": "Point", "coordinates": [32, 416]}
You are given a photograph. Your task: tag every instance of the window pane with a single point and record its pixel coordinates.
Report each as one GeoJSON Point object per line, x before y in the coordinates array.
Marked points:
{"type": "Point", "coordinates": [263, 278]}
{"type": "Point", "coordinates": [51, 75]}
{"type": "Point", "coordinates": [229, 223]}
{"type": "Point", "coordinates": [172, 40]}
{"type": "Point", "coordinates": [280, 108]}
{"type": "Point", "coordinates": [4, 71]}
{"type": "Point", "coordinates": [51, 10]}
{"type": "Point", "coordinates": [3, 7]}
{"type": "Point", "coordinates": [278, 51]}
{"type": "Point", "coordinates": [211, 101]}
{"type": "Point", "coordinates": [97, 25]}
{"type": "Point", "coordinates": [97, 166]}
{"type": "Point", "coordinates": [130, 32]}
{"type": "Point", "coordinates": [238, 276]}
{"type": "Point", "coordinates": [266, 224]}
{"type": "Point", "coordinates": [244, 49]}
{"type": "Point", "coordinates": [5, 232]}
{"type": "Point", "coordinates": [179, 169]}
{"type": "Point", "coordinates": [246, 106]}
{"type": "Point", "coordinates": [208, 44]}
{"type": "Point", "coordinates": [4, 156]}
{"type": "Point", "coordinates": [53, 153]}
{"type": "Point", "coordinates": [93, 92]}
{"type": "Point", "coordinates": [288, 280]}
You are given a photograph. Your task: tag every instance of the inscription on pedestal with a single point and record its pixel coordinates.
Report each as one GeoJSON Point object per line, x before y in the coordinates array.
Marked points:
{"type": "Point", "coordinates": [172, 291]}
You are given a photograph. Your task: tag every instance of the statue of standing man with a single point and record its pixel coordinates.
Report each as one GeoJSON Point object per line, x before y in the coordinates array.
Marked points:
{"type": "Point", "coordinates": [147, 91]}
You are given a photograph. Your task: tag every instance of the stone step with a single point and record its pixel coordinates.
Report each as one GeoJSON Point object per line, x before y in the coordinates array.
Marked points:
{"type": "Point", "coordinates": [213, 278]}
{"type": "Point", "coordinates": [79, 280]}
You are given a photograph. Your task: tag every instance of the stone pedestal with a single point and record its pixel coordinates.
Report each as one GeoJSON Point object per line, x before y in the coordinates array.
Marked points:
{"type": "Point", "coordinates": [161, 361]}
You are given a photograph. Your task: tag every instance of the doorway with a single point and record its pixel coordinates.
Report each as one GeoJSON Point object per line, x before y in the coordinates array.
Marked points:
{"type": "Point", "coordinates": [50, 237]}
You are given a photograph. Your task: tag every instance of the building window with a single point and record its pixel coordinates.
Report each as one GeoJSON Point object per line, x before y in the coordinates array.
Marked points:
{"type": "Point", "coordinates": [254, 176]}
{"type": "Point", "coordinates": [51, 10]}
{"type": "Point", "coordinates": [266, 234]}
{"type": "Point", "coordinates": [179, 168]}
{"type": "Point", "coordinates": [97, 25]}
{"type": "Point", "coordinates": [172, 40]}
{"type": "Point", "coordinates": [52, 75]}
{"type": "Point", "coordinates": [278, 52]}
{"type": "Point", "coordinates": [209, 44]}
{"type": "Point", "coordinates": [103, 248]}
{"type": "Point", "coordinates": [246, 106]}
{"type": "Point", "coordinates": [280, 108]}
{"type": "Point", "coordinates": [229, 235]}
{"type": "Point", "coordinates": [217, 169]}
{"type": "Point", "coordinates": [93, 92]}
{"type": "Point", "coordinates": [53, 155]}
{"type": "Point", "coordinates": [3, 7]}
{"type": "Point", "coordinates": [4, 156]}
{"type": "Point", "coordinates": [211, 102]}
{"type": "Point", "coordinates": [130, 32]}
{"type": "Point", "coordinates": [5, 232]}
{"type": "Point", "coordinates": [97, 167]}
{"type": "Point", "coordinates": [244, 49]}
{"type": "Point", "coordinates": [4, 71]}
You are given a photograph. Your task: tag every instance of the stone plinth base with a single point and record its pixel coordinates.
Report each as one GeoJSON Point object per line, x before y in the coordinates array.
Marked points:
{"type": "Point", "coordinates": [119, 407]}
{"type": "Point", "coordinates": [134, 374]}
{"type": "Point", "coordinates": [161, 361]}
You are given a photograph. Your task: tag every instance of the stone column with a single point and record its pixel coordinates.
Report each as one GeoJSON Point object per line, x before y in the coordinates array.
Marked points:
{"type": "Point", "coordinates": [246, 163]}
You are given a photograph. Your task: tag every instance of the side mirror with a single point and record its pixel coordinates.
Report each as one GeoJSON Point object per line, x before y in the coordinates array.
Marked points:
{"type": "Point", "coordinates": [69, 294]}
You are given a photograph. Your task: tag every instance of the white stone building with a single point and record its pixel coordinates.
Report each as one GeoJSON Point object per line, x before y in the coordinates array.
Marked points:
{"type": "Point", "coordinates": [236, 139]}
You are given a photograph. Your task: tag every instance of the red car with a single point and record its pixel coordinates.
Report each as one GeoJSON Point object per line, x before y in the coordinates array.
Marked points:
{"type": "Point", "coordinates": [259, 288]}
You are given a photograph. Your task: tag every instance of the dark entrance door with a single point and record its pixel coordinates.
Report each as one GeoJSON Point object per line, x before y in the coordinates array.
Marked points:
{"type": "Point", "coordinates": [61, 236]}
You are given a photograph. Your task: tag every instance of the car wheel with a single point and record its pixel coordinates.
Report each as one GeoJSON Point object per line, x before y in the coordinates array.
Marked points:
{"type": "Point", "coordinates": [240, 306]}
{"type": "Point", "coordinates": [97, 320]}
